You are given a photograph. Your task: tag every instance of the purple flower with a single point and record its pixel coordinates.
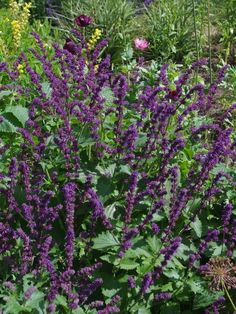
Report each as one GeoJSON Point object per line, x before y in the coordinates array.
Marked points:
{"type": "Point", "coordinates": [146, 283]}
{"type": "Point", "coordinates": [29, 292]}
{"type": "Point", "coordinates": [83, 20]}
{"type": "Point", "coordinates": [96, 304]}
{"type": "Point", "coordinates": [111, 307]}
{"type": "Point", "coordinates": [70, 46]}
{"type": "Point", "coordinates": [9, 285]}
{"type": "Point", "coordinates": [162, 296]}
{"type": "Point", "coordinates": [51, 308]}
{"type": "Point", "coordinates": [70, 196]}
{"type": "Point", "coordinates": [155, 228]}
{"type": "Point", "coordinates": [131, 282]}
{"type": "Point", "coordinates": [227, 214]}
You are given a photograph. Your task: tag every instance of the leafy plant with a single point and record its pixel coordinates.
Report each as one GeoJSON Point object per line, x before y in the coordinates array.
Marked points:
{"type": "Point", "coordinates": [115, 193]}
{"type": "Point", "coordinates": [114, 18]}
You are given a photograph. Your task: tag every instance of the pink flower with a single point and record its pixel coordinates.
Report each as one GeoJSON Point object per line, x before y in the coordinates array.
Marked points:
{"type": "Point", "coordinates": [141, 43]}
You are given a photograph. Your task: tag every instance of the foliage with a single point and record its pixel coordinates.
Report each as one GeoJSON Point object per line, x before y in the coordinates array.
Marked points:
{"type": "Point", "coordinates": [9, 48]}
{"type": "Point", "coordinates": [114, 18]}
{"type": "Point", "coordinates": [115, 192]}
{"type": "Point", "coordinates": [225, 21]}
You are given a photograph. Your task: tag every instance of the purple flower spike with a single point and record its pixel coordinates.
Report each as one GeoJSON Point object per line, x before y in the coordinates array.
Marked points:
{"type": "Point", "coordinates": [163, 296]}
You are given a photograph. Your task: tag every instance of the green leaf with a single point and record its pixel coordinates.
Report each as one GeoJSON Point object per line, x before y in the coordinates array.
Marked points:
{"type": "Point", "coordinates": [125, 169]}
{"type": "Point", "coordinates": [78, 311]}
{"type": "Point", "coordinates": [61, 300]}
{"type": "Point", "coordinates": [34, 300]}
{"type": "Point", "coordinates": [104, 241]}
{"type": "Point", "coordinates": [109, 171]}
{"type": "Point", "coordinates": [109, 293]}
{"type": "Point", "coordinates": [128, 264]}
{"type": "Point", "coordinates": [143, 310]}
{"type": "Point", "coordinates": [110, 211]}
{"type": "Point", "coordinates": [195, 285]}
{"type": "Point", "coordinates": [171, 273]}
{"type": "Point", "coordinates": [108, 94]}
{"type": "Point", "coordinates": [154, 243]}
{"type": "Point", "coordinates": [197, 227]}
{"type": "Point", "coordinates": [170, 309]}
{"type": "Point", "coordinates": [13, 306]}
{"type": "Point", "coordinates": [140, 252]}
{"type": "Point", "coordinates": [47, 89]}
{"type": "Point", "coordinates": [19, 112]}
{"type": "Point", "coordinates": [206, 298]}
{"type": "Point", "coordinates": [7, 127]}
{"type": "Point", "coordinates": [111, 259]}
{"type": "Point", "coordinates": [4, 93]}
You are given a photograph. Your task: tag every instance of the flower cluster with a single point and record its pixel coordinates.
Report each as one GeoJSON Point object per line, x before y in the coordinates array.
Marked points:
{"type": "Point", "coordinates": [94, 39]}
{"type": "Point", "coordinates": [19, 19]}
{"type": "Point", "coordinates": [95, 174]}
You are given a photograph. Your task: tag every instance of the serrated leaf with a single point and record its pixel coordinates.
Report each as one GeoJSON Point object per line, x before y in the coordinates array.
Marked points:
{"type": "Point", "coordinates": [205, 299]}
{"type": "Point", "coordinates": [197, 227]}
{"type": "Point", "coordinates": [154, 243]}
{"type": "Point", "coordinates": [19, 112]}
{"type": "Point", "coordinates": [140, 252]}
{"type": "Point", "coordinates": [171, 273]}
{"type": "Point", "coordinates": [61, 300]}
{"type": "Point", "coordinates": [13, 307]}
{"type": "Point", "coordinates": [128, 264]}
{"type": "Point", "coordinates": [195, 285]}
{"type": "Point", "coordinates": [4, 93]}
{"type": "Point", "coordinates": [110, 259]}
{"type": "Point", "coordinates": [109, 293]}
{"type": "Point", "coordinates": [105, 240]}
{"type": "Point", "coordinates": [34, 300]}
{"type": "Point", "coordinates": [79, 310]}
{"type": "Point", "coordinates": [125, 169]}
{"type": "Point", "coordinates": [7, 127]}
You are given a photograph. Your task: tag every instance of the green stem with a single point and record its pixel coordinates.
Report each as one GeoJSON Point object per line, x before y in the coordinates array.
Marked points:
{"type": "Point", "coordinates": [228, 295]}
{"type": "Point", "coordinates": [195, 29]}
{"type": "Point", "coordinates": [209, 39]}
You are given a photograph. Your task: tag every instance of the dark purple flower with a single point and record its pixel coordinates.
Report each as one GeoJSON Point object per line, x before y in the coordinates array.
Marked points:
{"type": "Point", "coordinates": [146, 283]}
{"type": "Point", "coordinates": [227, 214]}
{"type": "Point", "coordinates": [83, 20]}
{"type": "Point", "coordinates": [70, 196]}
{"type": "Point", "coordinates": [70, 46]}
{"type": "Point", "coordinates": [155, 228]}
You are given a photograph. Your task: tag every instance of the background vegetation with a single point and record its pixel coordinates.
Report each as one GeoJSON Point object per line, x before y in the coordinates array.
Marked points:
{"type": "Point", "coordinates": [118, 161]}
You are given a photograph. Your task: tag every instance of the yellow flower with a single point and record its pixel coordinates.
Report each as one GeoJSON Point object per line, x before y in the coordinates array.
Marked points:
{"type": "Point", "coordinates": [20, 68]}
{"type": "Point", "coordinates": [95, 37]}
{"type": "Point", "coordinates": [19, 15]}
{"type": "Point", "coordinates": [16, 30]}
